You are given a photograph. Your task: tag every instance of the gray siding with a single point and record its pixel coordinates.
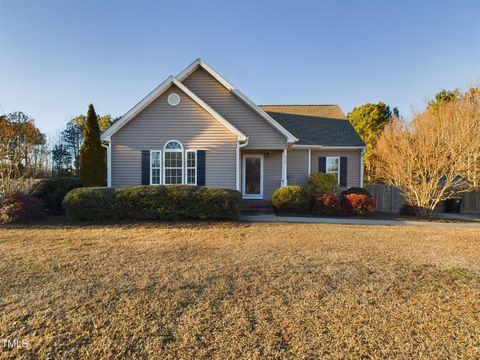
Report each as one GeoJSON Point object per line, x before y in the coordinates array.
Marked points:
{"type": "Point", "coordinates": [297, 167]}
{"type": "Point", "coordinates": [353, 164]}
{"type": "Point", "coordinates": [272, 171]}
{"type": "Point", "coordinates": [261, 134]}
{"type": "Point", "coordinates": [188, 123]}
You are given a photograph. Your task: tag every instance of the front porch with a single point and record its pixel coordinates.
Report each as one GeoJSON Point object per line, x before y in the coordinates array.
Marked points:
{"type": "Point", "coordinates": [261, 173]}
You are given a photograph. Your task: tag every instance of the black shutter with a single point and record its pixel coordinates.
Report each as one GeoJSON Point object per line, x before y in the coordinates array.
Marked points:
{"type": "Point", "coordinates": [145, 167]}
{"type": "Point", "coordinates": [343, 171]}
{"type": "Point", "coordinates": [201, 167]}
{"type": "Point", "coordinates": [322, 164]}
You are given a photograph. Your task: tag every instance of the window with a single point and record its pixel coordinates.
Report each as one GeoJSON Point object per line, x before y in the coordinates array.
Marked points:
{"type": "Point", "coordinates": [155, 167]}
{"type": "Point", "coordinates": [333, 167]}
{"type": "Point", "coordinates": [173, 163]}
{"type": "Point", "coordinates": [173, 99]}
{"type": "Point", "coordinates": [191, 167]}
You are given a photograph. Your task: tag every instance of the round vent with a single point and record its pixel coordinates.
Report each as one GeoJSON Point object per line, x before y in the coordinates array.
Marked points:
{"type": "Point", "coordinates": [173, 99]}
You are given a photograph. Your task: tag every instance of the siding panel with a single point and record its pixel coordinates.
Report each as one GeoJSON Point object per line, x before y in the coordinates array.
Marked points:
{"type": "Point", "coordinates": [297, 167]}
{"type": "Point", "coordinates": [188, 123]}
{"type": "Point", "coordinates": [261, 134]}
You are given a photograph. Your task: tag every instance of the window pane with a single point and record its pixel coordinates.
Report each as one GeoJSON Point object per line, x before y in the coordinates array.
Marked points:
{"type": "Point", "coordinates": [173, 145]}
{"type": "Point", "coordinates": [155, 176]}
{"type": "Point", "coordinates": [332, 164]}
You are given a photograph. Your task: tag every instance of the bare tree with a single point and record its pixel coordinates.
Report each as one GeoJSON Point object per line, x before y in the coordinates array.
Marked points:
{"type": "Point", "coordinates": [22, 151]}
{"type": "Point", "coordinates": [436, 156]}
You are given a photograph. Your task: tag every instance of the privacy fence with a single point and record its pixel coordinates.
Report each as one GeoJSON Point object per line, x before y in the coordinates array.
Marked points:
{"type": "Point", "coordinates": [390, 199]}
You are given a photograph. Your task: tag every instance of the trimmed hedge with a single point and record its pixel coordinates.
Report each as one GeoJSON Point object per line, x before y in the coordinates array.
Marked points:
{"type": "Point", "coordinates": [152, 202]}
{"type": "Point", "coordinates": [291, 198]}
{"type": "Point", "coordinates": [52, 191]}
{"type": "Point", "coordinates": [319, 183]}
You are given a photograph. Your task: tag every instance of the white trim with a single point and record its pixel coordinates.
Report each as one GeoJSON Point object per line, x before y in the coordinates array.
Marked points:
{"type": "Point", "coordinates": [238, 159]}
{"type": "Point", "coordinates": [160, 168]}
{"type": "Point", "coordinates": [181, 151]}
{"type": "Point", "coordinates": [284, 181]}
{"type": "Point", "coordinates": [361, 167]}
{"type": "Point", "coordinates": [200, 63]}
{"type": "Point", "coordinates": [252, 196]}
{"type": "Point", "coordinates": [152, 96]}
{"type": "Point", "coordinates": [333, 172]}
{"type": "Point", "coordinates": [108, 146]}
{"type": "Point", "coordinates": [309, 162]}
{"type": "Point", "coordinates": [186, 166]}
{"type": "Point", "coordinates": [321, 147]}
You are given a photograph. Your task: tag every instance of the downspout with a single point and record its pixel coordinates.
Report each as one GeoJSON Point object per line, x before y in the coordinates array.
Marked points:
{"type": "Point", "coordinates": [239, 146]}
{"type": "Point", "coordinates": [107, 145]}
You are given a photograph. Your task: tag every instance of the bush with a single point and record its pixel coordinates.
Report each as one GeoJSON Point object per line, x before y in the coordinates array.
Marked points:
{"type": "Point", "coordinates": [52, 191]}
{"type": "Point", "coordinates": [291, 198]}
{"type": "Point", "coordinates": [152, 202]}
{"type": "Point", "coordinates": [319, 183]}
{"type": "Point", "coordinates": [356, 190]}
{"type": "Point", "coordinates": [89, 204]}
{"type": "Point", "coordinates": [361, 205]}
{"type": "Point", "coordinates": [19, 207]}
{"type": "Point", "coordinates": [326, 204]}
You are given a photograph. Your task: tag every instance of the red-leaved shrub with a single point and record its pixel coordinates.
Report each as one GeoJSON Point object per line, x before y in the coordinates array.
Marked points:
{"type": "Point", "coordinates": [16, 206]}
{"type": "Point", "coordinates": [326, 204]}
{"type": "Point", "coordinates": [356, 204]}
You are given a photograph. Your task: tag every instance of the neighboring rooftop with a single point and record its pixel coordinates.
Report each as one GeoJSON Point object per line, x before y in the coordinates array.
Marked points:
{"type": "Point", "coordinates": [324, 125]}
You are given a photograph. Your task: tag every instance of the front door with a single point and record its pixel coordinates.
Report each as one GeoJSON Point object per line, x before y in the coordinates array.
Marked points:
{"type": "Point", "coordinates": [252, 176]}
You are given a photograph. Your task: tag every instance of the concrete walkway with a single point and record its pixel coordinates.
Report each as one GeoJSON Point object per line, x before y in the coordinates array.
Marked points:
{"type": "Point", "coordinates": [348, 221]}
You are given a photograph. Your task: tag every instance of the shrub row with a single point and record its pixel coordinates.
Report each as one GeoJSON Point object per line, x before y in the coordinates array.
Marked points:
{"type": "Point", "coordinates": [152, 202]}
{"type": "Point", "coordinates": [52, 191]}
{"type": "Point", "coordinates": [319, 197]}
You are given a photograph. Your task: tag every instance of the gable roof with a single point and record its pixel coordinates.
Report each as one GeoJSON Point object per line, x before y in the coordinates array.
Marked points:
{"type": "Point", "coordinates": [320, 125]}
{"type": "Point", "coordinates": [200, 63]}
{"type": "Point", "coordinates": [171, 80]}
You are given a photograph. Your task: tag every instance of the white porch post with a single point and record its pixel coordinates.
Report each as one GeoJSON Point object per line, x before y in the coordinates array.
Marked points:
{"type": "Point", "coordinates": [361, 167]}
{"type": "Point", "coordinates": [284, 168]}
{"type": "Point", "coordinates": [309, 162]}
{"type": "Point", "coordinates": [238, 167]}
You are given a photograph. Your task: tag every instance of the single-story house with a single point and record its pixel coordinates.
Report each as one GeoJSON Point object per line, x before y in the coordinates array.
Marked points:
{"type": "Point", "coordinates": [197, 128]}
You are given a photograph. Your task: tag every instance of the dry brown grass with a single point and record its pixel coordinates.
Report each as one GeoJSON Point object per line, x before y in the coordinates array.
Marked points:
{"type": "Point", "coordinates": [241, 291]}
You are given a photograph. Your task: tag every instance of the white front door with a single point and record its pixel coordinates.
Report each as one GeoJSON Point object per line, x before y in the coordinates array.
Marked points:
{"type": "Point", "coordinates": [252, 182]}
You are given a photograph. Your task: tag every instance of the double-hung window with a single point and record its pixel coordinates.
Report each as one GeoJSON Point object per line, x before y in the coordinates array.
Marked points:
{"type": "Point", "coordinates": [333, 166]}
{"type": "Point", "coordinates": [191, 167]}
{"type": "Point", "coordinates": [173, 163]}
{"type": "Point", "coordinates": [155, 167]}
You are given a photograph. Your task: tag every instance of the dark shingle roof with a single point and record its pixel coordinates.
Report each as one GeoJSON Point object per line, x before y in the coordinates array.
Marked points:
{"type": "Point", "coordinates": [315, 124]}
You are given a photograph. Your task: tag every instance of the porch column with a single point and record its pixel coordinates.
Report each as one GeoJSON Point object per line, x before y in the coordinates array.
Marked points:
{"type": "Point", "coordinates": [239, 160]}
{"type": "Point", "coordinates": [284, 168]}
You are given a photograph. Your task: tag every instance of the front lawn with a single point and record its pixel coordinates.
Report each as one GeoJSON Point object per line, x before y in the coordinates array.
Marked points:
{"type": "Point", "coordinates": [240, 291]}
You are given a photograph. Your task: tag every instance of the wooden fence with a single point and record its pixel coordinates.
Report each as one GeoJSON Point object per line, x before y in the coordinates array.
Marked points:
{"type": "Point", "coordinates": [390, 199]}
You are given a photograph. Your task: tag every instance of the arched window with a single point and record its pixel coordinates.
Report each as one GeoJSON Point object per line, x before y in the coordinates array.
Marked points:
{"type": "Point", "coordinates": [173, 163]}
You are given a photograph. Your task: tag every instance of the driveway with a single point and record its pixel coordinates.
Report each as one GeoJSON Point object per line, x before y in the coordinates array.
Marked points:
{"type": "Point", "coordinates": [349, 221]}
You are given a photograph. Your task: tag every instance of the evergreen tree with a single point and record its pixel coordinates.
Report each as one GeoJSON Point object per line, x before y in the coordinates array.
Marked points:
{"type": "Point", "coordinates": [92, 154]}
{"type": "Point", "coordinates": [369, 120]}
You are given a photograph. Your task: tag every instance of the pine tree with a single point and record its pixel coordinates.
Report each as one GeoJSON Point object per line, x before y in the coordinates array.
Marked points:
{"type": "Point", "coordinates": [92, 154]}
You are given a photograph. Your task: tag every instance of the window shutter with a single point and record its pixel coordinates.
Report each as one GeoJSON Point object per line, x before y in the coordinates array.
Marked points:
{"type": "Point", "coordinates": [201, 167]}
{"type": "Point", "coordinates": [343, 171]}
{"type": "Point", "coordinates": [322, 164]}
{"type": "Point", "coordinates": [145, 167]}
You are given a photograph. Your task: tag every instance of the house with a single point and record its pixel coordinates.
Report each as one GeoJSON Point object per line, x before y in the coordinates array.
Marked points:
{"type": "Point", "coordinates": [197, 128]}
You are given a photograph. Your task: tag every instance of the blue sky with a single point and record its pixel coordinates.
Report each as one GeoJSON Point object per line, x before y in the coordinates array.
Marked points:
{"type": "Point", "coordinates": [58, 56]}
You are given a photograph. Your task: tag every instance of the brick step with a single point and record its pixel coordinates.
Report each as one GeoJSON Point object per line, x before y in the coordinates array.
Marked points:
{"type": "Point", "coordinates": [256, 206]}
